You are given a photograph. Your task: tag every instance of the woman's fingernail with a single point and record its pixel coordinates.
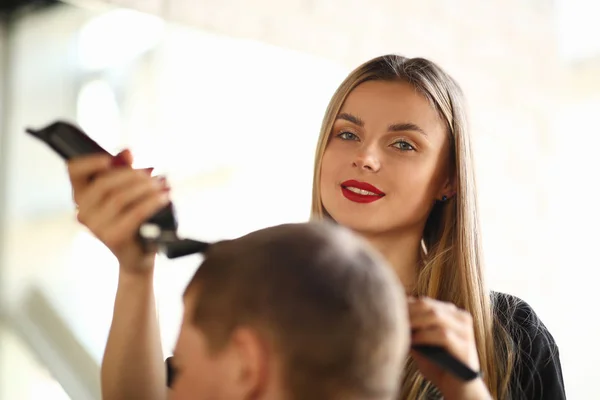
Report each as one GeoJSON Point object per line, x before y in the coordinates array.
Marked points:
{"type": "Point", "coordinates": [148, 170]}
{"type": "Point", "coordinates": [118, 161]}
{"type": "Point", "coordinates": [162, 184]}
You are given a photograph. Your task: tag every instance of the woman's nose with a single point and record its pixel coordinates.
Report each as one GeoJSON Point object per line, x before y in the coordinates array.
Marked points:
{"type": "Point", "coordinates": [367, 160]}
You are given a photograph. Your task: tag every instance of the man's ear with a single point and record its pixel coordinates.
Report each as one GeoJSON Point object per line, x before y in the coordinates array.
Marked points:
{"type": "Point", "coordinates": [250, 362]}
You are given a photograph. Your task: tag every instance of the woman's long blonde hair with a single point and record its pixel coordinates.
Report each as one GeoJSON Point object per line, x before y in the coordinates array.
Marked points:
{"type": "Point", "coordinates": [452, 269]}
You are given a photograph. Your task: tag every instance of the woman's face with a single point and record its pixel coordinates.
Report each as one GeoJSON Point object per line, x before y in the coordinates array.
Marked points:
{"type": "Point", "coordinates": [387, 160]}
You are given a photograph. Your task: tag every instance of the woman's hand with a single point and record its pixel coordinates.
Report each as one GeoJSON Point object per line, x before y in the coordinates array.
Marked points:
{"type": "Point", "coordinates": [113, 202]}
{"type": "Point", "coordinates": [442, 324]}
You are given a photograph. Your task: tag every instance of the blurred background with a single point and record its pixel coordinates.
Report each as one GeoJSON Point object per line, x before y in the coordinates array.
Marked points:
{"type": "Point", "coordinates": [226, 99]}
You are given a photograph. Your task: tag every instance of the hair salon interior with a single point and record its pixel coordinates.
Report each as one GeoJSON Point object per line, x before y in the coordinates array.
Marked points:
{"type": "Point", "coordinates": [206, 90]}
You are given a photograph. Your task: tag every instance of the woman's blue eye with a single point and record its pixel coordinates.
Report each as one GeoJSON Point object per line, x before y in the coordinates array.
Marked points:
{"type": "Point", "coordinates": [403, 145]}
{"type": "Point", "coordinates": [347, 136]}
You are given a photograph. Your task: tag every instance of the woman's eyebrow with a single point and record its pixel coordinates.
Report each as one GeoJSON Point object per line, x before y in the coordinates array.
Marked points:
{"type": "Point", "coordinates": [406, 126]}
{"type": "Point", "coordinates": [351, 118]}
{"type": "Point", "coordinates": [396, 127]}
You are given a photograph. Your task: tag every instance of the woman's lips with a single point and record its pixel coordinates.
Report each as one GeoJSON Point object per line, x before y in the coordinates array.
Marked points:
{"type": "Point", "coordinates": [361, 192]}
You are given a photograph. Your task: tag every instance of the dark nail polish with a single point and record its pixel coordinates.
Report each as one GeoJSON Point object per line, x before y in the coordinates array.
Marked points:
{"type": "Point", "coordinates": [118, 161]}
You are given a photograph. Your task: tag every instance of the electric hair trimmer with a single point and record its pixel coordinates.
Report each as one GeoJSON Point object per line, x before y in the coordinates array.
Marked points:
{"type": "Point", "coordinates": [160, 230]}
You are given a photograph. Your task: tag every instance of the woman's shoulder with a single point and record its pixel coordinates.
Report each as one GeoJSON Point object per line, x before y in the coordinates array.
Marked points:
{"type": "Point", "coordinates": [537, 369]}
{"type": "Point", "coordinates": [522, 323]}
{"type": "Point", "coordinates": [516, 312]}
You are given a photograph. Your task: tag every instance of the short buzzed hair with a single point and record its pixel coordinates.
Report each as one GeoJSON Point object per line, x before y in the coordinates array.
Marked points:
{"type": "Point", "coordinates": [331, 306]}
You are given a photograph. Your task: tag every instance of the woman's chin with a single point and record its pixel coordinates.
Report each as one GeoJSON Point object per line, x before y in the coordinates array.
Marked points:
{"type": "Point", "coordinates": [362, 224]}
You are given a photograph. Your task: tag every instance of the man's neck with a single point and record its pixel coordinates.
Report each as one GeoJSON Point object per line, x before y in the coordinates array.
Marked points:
{"type": "Point", "coordinates": [274, 388]}
{"type": "Point", "coordinates": [403, 251]}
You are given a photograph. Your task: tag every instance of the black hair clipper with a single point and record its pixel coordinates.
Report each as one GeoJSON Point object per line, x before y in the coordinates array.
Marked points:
{"type": "Point", "coordinates": [160, 230]}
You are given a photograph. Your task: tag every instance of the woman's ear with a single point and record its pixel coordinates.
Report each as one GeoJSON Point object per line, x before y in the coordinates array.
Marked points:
{"type": "Point", "coordinates": [448, 189]}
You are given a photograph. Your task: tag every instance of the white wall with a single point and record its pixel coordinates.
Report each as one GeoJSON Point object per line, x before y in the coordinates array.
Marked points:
{"type": "Point", "coordinates": [22, 375]}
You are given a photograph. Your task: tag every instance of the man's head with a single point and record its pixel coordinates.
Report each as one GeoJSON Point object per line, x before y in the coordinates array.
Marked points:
{"type": "Point", "coordinates": [297, 311]}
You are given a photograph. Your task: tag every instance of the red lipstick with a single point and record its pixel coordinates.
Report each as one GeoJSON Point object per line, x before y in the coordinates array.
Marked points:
{"type": "Point", "coordinates": [361, 192]}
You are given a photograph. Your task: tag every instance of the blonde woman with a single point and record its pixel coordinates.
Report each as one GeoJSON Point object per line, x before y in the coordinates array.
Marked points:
{"type": "Point", "coordinates": [393, 164]}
